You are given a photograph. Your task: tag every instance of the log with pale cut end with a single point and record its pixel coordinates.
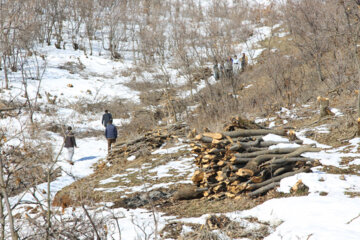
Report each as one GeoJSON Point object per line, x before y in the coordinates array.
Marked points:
{"type": "Point", "coordinates": [292, 135]}
{"type": "Point", "coordinates": [203, 139]}
{"type": "Point", "coordinates": [220, 188]}
{"type": "Point", "coordinates": [220, 176]}
{"type": "Point", "coordinates": [206, 193]}
{"type": "Point", "coordinates": [221, 163]}
{"type": "Point", "coordinates": [253, 132]}
{"type": "Point", "coordinates": [236, 189]}
{"type": "Point", "coordinates": [216, 151]}
{"type": "Point", "coordinates": [242, 172]}
{"type": "Point", "coordinates": [230, 195]}
{"type": "Point", "coordinates": [257, 179]}
{"type": "Point", "coordinates": [217, 136]}
{"type": "Point", "coordinates": [209, 156]}
{"type": "Point", "coordinates": [198, 176]}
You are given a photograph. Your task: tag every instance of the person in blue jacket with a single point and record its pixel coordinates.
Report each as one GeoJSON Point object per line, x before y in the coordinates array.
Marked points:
{"type": "Point", "coordinates": [110, 134]}
{"type": "Point", "coordinates": [106, 118]}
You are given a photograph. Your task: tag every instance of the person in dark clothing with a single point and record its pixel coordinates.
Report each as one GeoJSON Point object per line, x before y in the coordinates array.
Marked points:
{"type": "Point", "coordinates": [110, 134]}
{"type": "Point", "coordinates": [106, 118]}
{"type": "Point", "coordinates": [244, 62]}
{"type": "Point", "coordinates": [216, 71]}
{"type": "Point", "coordinates": [228, 65]}
{"type": "Point", "coordinates": [69, 144]}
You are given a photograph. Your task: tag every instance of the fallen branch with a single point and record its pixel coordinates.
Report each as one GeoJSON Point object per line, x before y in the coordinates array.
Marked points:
{"type": "Point", "coordinates": [253, 132]}
{"type": "Point", "coordinates": [277, 178]}
{"type": "Point", "coordinates": [263, 189]}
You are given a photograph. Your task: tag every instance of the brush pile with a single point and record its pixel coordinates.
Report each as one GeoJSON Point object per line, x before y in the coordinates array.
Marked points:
{"type": "Point", "coordinates": [244, 160]}
{"type": "Point", "coordinates": [146, 143]}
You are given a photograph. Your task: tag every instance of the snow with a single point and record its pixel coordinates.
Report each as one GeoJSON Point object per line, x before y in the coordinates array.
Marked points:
{"type": "Point", "coordinates": [308, 217]}
{"type": "Point", "coordinates": [274, 137]}
{"type": "Point", "coordinates": [131, 158]}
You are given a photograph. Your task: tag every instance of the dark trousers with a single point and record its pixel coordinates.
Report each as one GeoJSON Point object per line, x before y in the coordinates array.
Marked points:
{"type": "Point", "coordinates": [110, 141]}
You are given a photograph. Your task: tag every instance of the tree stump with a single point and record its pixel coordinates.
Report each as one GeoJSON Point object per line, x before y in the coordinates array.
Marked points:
{"type": "Point", "coordinates": [324, 106]}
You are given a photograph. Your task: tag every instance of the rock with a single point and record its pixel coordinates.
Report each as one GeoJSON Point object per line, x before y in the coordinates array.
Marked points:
{"type": "Point", "coordinates": [187, 193]}
{"type": "Point", "coordinates": [142, 199]}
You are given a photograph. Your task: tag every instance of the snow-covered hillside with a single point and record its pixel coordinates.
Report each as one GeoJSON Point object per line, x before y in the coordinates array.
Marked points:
{"type": "Point", "coordinates": [75, 81]}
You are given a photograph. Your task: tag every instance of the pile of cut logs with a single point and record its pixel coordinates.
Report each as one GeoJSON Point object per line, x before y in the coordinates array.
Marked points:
{"type": "Point", "coordinates": [145, 143]}
{"type": "Point", "coordinates": [240, 161]}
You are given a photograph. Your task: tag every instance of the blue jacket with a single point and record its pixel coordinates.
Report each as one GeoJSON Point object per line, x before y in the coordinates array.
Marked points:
{"type": "Point", "coordinates": [110, 131]}
{"type": "Point", "coordinates": [106, 118]}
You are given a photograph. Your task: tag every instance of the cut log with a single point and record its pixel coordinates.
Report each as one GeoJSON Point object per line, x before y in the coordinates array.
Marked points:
{"type": "Point", "coordinates": [254, 164]}
{"type": "Point", "coordinates": [221, 163]}
{"type": "Point", "coordinates": [242, 172]}
{"type": "Point", "coordinates": [271, 151]}
{"type": "Point", "coordinates": [230, 195]}
{"type": "Point", "coordinates": [282, 170]}
{"type": "Point", "coordinates": [257, 179]}
{"type": "Point", "coordinates": [253, 132]}
{"type": "Point", "coordinates": [203, 139]}
{"type": "Point", "coordinates": [216, 151]}
{"type": "Point", "coordinates": [277, 178]}
{"type": "Point", "coordinates": [291, 159]}
{"type": "Point", "coordinates": [220, 176]}
{"type": "Point", "coordinates": [236, 160]}
{"type": "Point", "coordinates": [270, 143]}
{"type": "Point", "coordinates": [263, 189]}
{"type": "Point", "coordinates": [197, 177]}
{"type": "Point", "coordinates": [236, 189]}
{"type": "Point", "coordinates": [216, 136]}
{"type": "Point", "coordinates": [219, 188]}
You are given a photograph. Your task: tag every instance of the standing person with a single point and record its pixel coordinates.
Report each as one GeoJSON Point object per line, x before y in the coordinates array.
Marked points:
{"type": "Point", "coordinates": [69, 144]}
{"type": "Point", "coordinates": [236, 64]}
{"type": "Point", "coordinates": [110, 134]}
{"type": "Point", "coordinates": [228, 67]}
{"type": "Point", "coordinates": [216, 71]}
{"type": "Point", "coordinates": [106, 118]}
{"type": "Point", "coordinates": [222, 71]}
{"type": "Point", "coordinates": [244, 62]}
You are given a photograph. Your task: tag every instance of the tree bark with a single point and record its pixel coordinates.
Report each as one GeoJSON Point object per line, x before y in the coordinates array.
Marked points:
{"type": "Point", "coordinates": [263, 189]}
{"type": "Point", "coordinates": [253, 132]}
{"type": "Point", "coordinates": [2, 219]}
{"type": "Point", "coordinates": [7, 202]}
{"type": "Point", "coordinates": [277, 178]}
{"type": "Point", "coordinates": [264, 152]}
